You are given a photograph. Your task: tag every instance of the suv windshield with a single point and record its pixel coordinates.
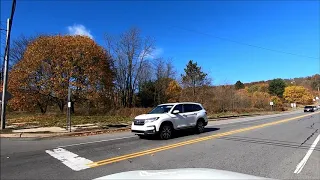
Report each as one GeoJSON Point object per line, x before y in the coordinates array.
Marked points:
{"type": "Point", "coordinates": [161, 109]}
{"type": "Point", "coordinates": [308, 107]}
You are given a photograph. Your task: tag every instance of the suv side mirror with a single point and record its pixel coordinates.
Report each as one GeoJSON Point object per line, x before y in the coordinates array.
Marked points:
{"type": "Point", "coordinates": [175, 112]}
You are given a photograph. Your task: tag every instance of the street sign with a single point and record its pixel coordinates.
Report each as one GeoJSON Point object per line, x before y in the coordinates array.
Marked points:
{"type": "Point", "coordinates": [271, 103]}
{"type": "Point", "coordinates": [8, 96]}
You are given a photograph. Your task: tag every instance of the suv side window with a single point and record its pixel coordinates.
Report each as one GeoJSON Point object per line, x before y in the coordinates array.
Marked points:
{"type": "Point", "coordinates": [197, 107]}
{"type": "Point", "coordinates": [178, 107]}
{"type": "Point", "coordinates": [188, 108]}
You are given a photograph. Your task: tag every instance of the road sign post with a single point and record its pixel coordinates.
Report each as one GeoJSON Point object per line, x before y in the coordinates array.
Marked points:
{"type": "Point", "coordinates": [69, 108]}
{"type": "Point", "coordinates": [271, 104]}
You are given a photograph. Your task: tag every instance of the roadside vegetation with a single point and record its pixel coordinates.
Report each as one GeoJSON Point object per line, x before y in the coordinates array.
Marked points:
{"type": "Point", "coordinates": [49, 120]}
{"type": "Point", "coordinates": [112, 83]}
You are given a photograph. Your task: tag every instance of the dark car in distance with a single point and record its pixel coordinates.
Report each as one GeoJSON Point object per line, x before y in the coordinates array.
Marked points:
{"type": "Point", "coordinates": [310, 108]}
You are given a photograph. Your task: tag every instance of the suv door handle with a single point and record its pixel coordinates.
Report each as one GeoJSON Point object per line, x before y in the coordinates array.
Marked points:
{"type": "Point", "coordinates": [185, 115]}
{"type": "Point", "coordinates": [194, 114]}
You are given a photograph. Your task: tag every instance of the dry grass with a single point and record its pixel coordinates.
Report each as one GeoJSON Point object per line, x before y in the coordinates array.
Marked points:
{"type": "Point", "coordinates": [113, 117]}
{"type": "Point", "coordinates": [55, 118]}
{"type": "Point", "coordinates": [130, 112]}
{"type": "Point", "coordinates": [235, 114]}
{"type": "Point", "coordinates": [48, 120]}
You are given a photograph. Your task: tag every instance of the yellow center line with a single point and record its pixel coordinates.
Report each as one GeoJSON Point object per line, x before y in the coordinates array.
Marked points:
{"type": "Point", "coordinates": [163, 148]}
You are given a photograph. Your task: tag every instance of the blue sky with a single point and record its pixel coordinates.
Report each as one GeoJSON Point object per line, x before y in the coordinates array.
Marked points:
{"type": "Point", "coordinates": [188, 30]}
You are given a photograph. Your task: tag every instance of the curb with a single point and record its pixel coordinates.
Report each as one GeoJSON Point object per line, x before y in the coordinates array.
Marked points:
{"type": "Point", "coordinates": [94, 132]}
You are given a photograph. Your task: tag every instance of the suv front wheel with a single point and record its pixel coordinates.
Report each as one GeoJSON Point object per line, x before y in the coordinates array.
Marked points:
{"type": "Point", "coordinates": [165, 131]}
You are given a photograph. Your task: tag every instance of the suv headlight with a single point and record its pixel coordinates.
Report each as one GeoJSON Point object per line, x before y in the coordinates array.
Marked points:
{"type": "Point", "coordinates": [149, 120]}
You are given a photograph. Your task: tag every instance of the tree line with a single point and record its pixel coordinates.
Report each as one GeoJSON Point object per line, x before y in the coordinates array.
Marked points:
{"type": "Point", "coordinates": [125, 73]}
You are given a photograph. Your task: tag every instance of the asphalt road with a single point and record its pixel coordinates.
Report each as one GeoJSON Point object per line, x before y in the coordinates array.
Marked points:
{"type": "Point", "coordinates": [276, 146]}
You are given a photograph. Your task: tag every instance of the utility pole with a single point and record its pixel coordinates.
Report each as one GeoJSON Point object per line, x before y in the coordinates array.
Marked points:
{"type": "Point", "coordinates": [6, 65]}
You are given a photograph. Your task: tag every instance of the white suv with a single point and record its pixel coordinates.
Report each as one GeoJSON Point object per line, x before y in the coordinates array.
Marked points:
{"type": "Point", "coordinates": [165, 118]}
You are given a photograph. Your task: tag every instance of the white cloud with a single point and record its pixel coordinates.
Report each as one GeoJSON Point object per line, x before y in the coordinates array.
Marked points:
{"type": "Point", "coordinates": [156, 53]}
{"type": "Point", "coordinates": [79, 29]}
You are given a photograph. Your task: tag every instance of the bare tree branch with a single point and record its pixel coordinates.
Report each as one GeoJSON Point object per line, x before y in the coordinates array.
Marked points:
{"type": "Point", "coordinates": [18, 47]}
{"type": "Point", "coordinates": [130, 51]}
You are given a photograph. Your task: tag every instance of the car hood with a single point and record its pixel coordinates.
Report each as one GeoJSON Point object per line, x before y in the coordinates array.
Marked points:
{"type": "Point", "coordinates": [147, 116]}
{"type": "Point", "coordinates": [185, 173]}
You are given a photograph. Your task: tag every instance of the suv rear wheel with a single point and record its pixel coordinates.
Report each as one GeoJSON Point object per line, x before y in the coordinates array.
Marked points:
{"type": "Point", "coordinates": [165, 131]}
{"type": "Point", "coordinates": [200, 126]}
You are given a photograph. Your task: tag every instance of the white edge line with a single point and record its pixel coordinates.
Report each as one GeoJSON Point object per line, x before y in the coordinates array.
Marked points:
{"type": "Point", "coordinates": [127, 137]}
{"type": "Point", "coordinates": [306, 157]}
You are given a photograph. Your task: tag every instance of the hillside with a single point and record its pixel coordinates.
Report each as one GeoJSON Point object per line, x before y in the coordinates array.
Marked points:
{"type": "Point", "coordinates": [310, 82]}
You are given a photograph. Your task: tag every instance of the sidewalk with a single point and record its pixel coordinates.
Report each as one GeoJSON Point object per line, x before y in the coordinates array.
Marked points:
{"type": "Point", "coordinates": [76, 130]}
{"type": "Point", "coordinates": [56, 132]}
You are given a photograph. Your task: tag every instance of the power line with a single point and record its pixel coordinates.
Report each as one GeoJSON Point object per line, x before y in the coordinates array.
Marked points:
{"type": "Point", "coordinates": [246, 44]}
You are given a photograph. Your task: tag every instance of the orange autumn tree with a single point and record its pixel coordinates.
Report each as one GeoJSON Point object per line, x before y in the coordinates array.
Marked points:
{"type": "Point", "coordinates": [297, 94]}
{"type": "Point", "coordinates": [173, 91]}
{"type": "Point", "coordinates": [260, 99]}
{"type": "Point", "coordinates": [50, 63]}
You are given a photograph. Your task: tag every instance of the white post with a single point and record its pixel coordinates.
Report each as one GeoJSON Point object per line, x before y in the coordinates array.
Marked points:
{"type": "Point", "coordinates": [5, 78]}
